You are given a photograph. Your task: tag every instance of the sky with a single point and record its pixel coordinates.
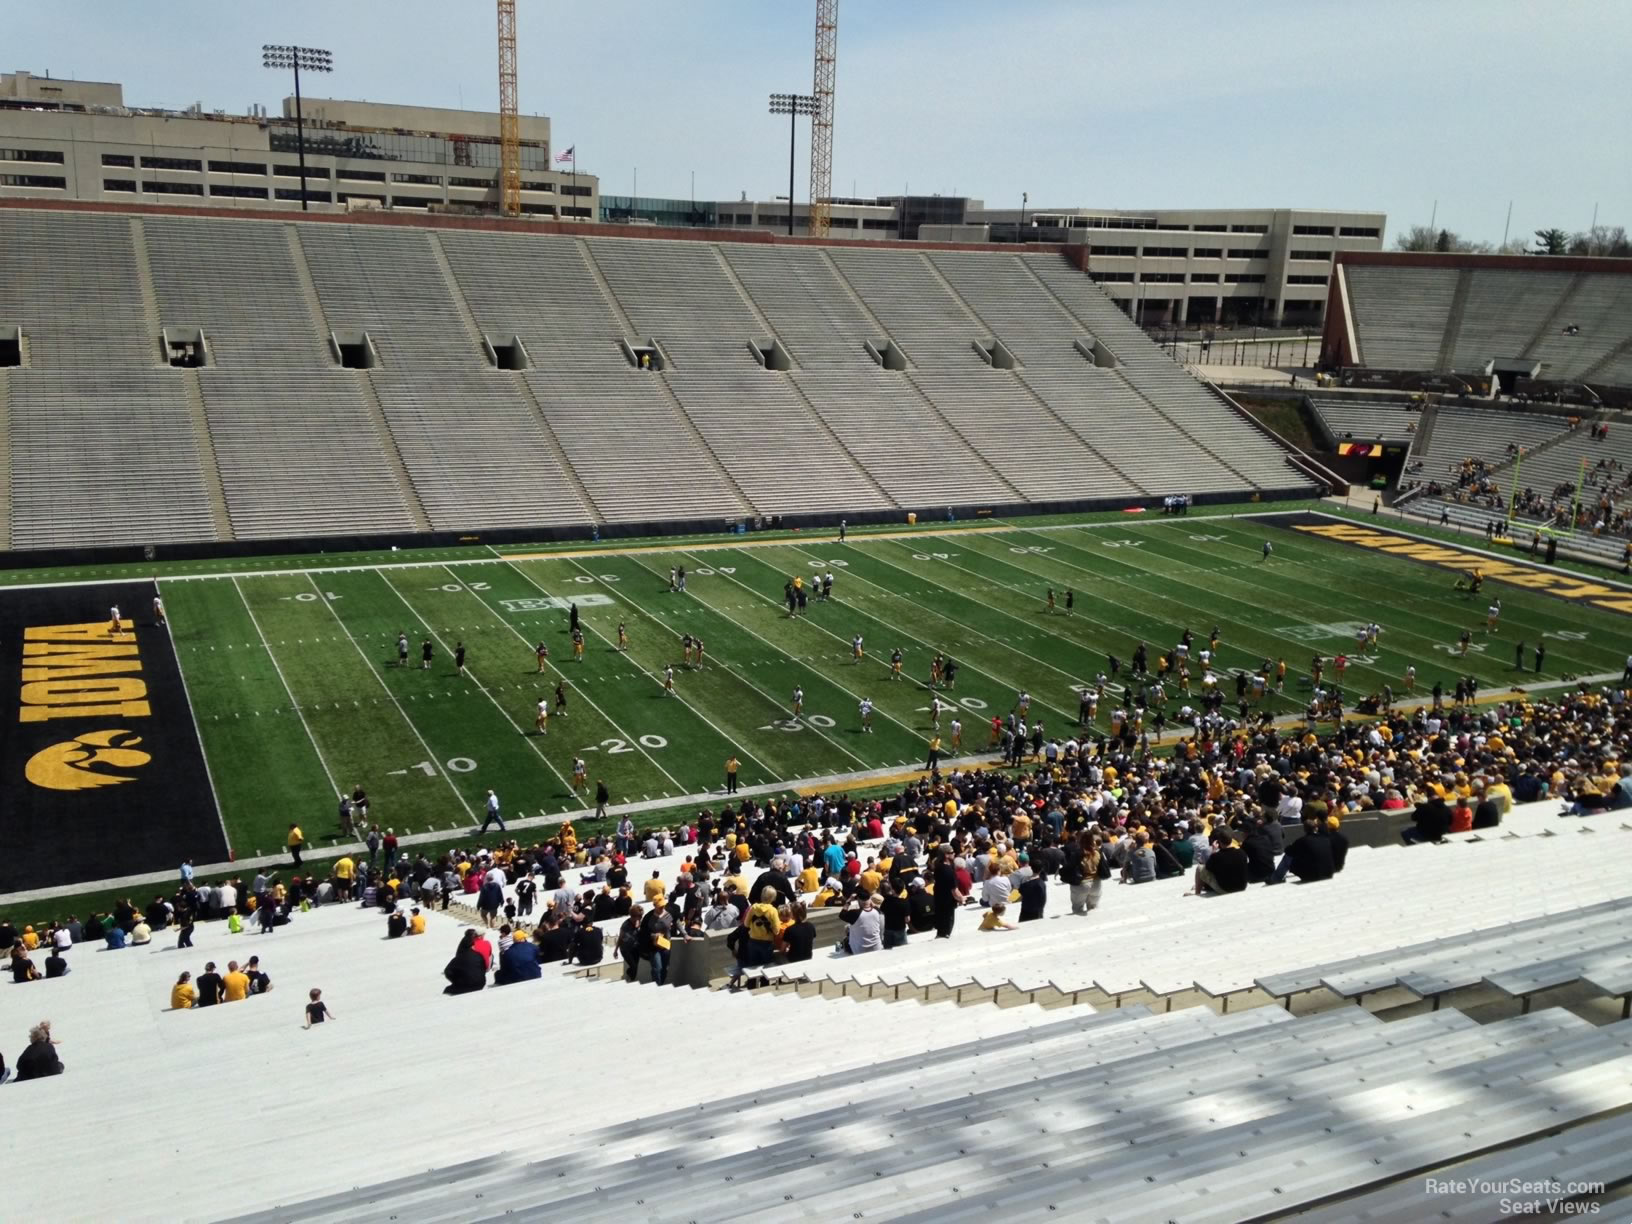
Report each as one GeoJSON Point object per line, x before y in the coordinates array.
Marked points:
{"type": "Point", "coordinates": [1442, 109]}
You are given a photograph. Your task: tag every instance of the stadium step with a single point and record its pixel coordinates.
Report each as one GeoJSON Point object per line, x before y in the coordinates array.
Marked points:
{"type": "Point", "coordinates": [1121, 373]}
{"type": "Point", "coordinates": [467, 320]}
{"type": "Point", "coordinates": [951, 427]}
{"type": "Point", "coordinates": [1623, 349]}
{"type": "Point", "coordinates": [144, 280]}
{"type": "Point", "coordinates": [308, 290]}
{"type": "Point", "coordinates": [947, 287]}
{"type": "Point", "coordinates": [1092, 450]}
{"type": "Point", "coordinates": [1550, 324]}
{"type": "Point", "coordinates": [843, 282]}
{"type": "Point", "coordinates": [748, 302]}
{"type": "Point", "coordinates": [840, 447]}
{"type": "Point", "coordinates": [1453, 322]}
{"type": "Point", "coordinates": [388, 445]}
{"type": "Point", "coordinates": [525, 390]}
{"type": "Point", "coordinates": [630, 331]}
{"type": "Point", "coordinates": [702, 445]}
{"type": "Point", "coordinates": [5, 460]}
{"type": "Point", "coordinates": [206, 455]}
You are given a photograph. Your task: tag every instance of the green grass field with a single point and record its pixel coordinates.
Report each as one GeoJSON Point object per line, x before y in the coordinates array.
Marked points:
{"type": "Point", "coordinates": [294, 681]}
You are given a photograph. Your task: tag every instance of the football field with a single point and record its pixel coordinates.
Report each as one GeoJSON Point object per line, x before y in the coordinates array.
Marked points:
{"type": "Point", "coordinates": [297, 694]}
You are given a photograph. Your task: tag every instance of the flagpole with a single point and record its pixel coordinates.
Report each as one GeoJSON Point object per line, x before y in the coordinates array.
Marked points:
{"type": "Point", "coordinates": [574, 151]}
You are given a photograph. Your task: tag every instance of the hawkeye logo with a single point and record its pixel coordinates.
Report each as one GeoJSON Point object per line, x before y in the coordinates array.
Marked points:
{"type": "Point", "coordinates": [73, 764]}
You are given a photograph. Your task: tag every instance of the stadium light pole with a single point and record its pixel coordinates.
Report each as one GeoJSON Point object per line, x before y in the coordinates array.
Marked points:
{"type": "Point", "coordinates": [793, 105]}
{"type": "Point", "coordinates": [313, 59]}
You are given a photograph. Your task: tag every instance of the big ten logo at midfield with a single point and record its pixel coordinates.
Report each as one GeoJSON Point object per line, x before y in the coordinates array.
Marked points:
{"type": "Point", "coordinates": [554, 603]}
{"type": "Point", "coordinates": [82, 671]}
{"type": "Point", "coordinates": [1317, 633]}
{"type": "Point", "coordinates": [72, 764]}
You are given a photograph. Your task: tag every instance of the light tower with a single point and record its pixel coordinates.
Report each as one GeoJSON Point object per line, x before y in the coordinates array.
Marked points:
{"type": "Point", "coordinates": [821, 124]}
{"type": "Point", "coordinates": [313, 59]}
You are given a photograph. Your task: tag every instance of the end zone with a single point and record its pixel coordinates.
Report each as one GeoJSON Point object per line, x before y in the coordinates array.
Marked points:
{"type": "Point", "coordinates": [103, 771]}
{"type": "Point", "coordinates": [1572, 588]}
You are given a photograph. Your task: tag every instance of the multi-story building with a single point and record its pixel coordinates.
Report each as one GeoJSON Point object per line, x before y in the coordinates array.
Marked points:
{"type": "Point", "coordinates": [1194, 266]}
{"type": "Point", "coordinates": [77, 140]}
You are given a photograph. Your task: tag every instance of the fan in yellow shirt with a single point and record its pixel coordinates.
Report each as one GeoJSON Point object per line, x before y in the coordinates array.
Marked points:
{"type": "Point", "coordinates": [809, 880]}
{"type": "Point", "coordinates": [183, 994]}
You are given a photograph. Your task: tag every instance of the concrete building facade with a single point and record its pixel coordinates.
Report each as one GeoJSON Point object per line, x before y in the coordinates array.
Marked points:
{"type": "Point", "coordinates": [1269, 266]}
{"type": "Point", "coordinates": [77, 140]}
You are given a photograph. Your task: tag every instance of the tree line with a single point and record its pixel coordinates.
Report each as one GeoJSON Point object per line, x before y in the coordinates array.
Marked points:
{"type": "Point", "coordinates": [1607, 240]}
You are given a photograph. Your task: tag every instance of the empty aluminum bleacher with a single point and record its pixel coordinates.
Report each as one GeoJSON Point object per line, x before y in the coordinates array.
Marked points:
{"type": "Point", "coordinates": [299, 455]}
{"type": "Point", "coordinates": [476, 451]}
{"type": "Point", "coordinates": [1601, 307]}
{"type": "Point", "coordinates": [1400, 314]}
{"type": "Point", "coordinates": [885, 422]}
{"type": "Point", "coordinates": [814, 315]}
{"type": "Point", "coordinates": [71, 282]}
{"type": "Point", "coordinates": [1367, 420]}
{"type": "Point", "coordinates": [1028, 446]}
{"type": "Point", "coordinates": [104, 457]}
{"type": "Point", "coordinates": [930, 325]}
{"type": "Point", "coordinates": [1122, 426]}
{"type": "Point", "coordinates": [540, 288]}
{"type": "Point", "coordinates": [739, 413]}
{"type": "Point", "coordinates": [1502, 312]}
{"type": "Point", "coordinates": [1021, 313]}
{"type": "Point", "coordinates": [386, 281]}
{"type": "Point", "coordinates": [632, 451]}
{"type": "Point", "coordinates": [238, 282]}
{"type": "Point", "coordinates": [1226, 451]}
{"type": "Point", "coordinates": [677, 294]}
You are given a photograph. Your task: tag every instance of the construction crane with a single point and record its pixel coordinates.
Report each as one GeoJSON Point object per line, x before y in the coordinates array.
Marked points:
{"type": "Point", "coordinates": [821, 125]}
{"type": "Point", "coordinates": [509, 115]}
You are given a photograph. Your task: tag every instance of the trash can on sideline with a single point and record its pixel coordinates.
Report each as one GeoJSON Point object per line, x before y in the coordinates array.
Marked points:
{"type": "Point", "coordinates": [912, 518]}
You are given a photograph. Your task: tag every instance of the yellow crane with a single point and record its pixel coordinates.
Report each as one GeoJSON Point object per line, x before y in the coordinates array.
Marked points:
{"type": "Point", "coordinates": [821, 125]}
{"type": "Point", "coordinates": [509, 114]}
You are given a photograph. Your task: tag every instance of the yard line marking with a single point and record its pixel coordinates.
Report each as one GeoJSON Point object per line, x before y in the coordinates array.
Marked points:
{"type": "Point", "coordinates": [440, 641]}
{"type": "Point", "coordinates": [729, 739]}
{"type": "Point", "coordinates": [187, 695]}
{"type": "Point", "coordinates": [369, 663]}
{"type": "Point", "coordinates": [293, 704]}
{"type": "Point", "coordinates": [777, 705]}
{"type": "Point", "coordinates": [912, 731]}
{"type": "Point", "coordinates": [556, 667]}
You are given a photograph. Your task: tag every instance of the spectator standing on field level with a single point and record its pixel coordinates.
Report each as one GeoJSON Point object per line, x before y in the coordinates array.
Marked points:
{"type": "Point", "coordinates": [492, 814]}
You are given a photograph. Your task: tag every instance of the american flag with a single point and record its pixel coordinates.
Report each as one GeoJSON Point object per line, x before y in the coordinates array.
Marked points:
{"type": "Point", "coordinates": [569, 155]}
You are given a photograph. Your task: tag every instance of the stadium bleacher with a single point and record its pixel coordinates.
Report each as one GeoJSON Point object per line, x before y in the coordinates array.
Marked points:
{"type": "Point", "coordinates": [946, 1111]}
{"type": "Point", "coordinates": [430, 436]}
{"type": "Point", "coordinates": [1416, 318]}
{"type": "Point", "coordinates": [1367, 420]}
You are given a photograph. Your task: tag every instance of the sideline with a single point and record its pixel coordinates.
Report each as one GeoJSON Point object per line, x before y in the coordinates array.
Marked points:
{"type": "Point", "coordinates": [824, 536]}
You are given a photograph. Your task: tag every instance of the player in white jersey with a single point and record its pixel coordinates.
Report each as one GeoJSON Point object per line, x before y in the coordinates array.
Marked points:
{"type": "Point", "coordinates": [935, 712]}
{"type": "Point", "coordinates": [957, 735]}
{"type": "Point", "coordinates": [158, 612]}
{"type": "Point", "coordinates": [1492, 615]}
{"type": "Point", "coordinates": [798, 701]}
{"type": "Point", "coordinates": [855, 649]}
{"type": "Point", "coordinates": [668, 678]}
{"type": "Point", "coordinates": [542, 722]}
{"type": "Point", "coordinates": [115, 629]}
{"type": "Point", "coordinates": [866, 709]}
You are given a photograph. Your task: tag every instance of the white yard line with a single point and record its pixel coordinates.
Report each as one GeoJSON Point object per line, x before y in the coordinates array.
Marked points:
{"type": "Point", "coordinates": [520, 730]}
{"type": "Point", "coordinates": [369, 663]}
{"type": "Point", "coordinates": [718, 730]}
{"type": "Point", "coordinates": [768, 697]}
{"type": "Point", "coordinates": [912, 731]}
{"type": "Point", "coordinates": [288, 692]}
{"type": "Point", "coordinates": [632, 740]}
{"type": "Point", "coordinates": [187, 696]}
